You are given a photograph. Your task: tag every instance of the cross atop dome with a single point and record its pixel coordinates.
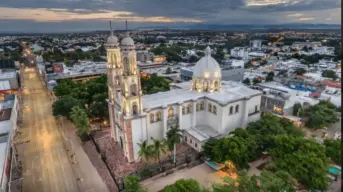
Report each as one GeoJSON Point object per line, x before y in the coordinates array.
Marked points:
{"type": "Point", "coordinates": [208, 51]}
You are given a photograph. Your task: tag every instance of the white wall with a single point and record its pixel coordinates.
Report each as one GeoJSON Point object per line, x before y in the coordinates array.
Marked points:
{"type": "Point", "coordinates": [138, 127]}
{"type": "Point", "coordinates": [231, 122]}
{"type": "Point", "coordinates": [253, 102]}
{"type": "Point", "coordinates": [155, 129]}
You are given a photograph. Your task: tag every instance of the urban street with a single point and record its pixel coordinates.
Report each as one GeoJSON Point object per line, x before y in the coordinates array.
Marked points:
{"type": "Point", "coordinates": [44, 160]}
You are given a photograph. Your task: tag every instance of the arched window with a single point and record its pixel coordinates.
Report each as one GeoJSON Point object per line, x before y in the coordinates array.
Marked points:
{"type": "Point", "coordinates": [158, 116]}
{"type": "Point", "coordinates": [237, 109]}
{"type": "Point", "coordinates": [198, 106]}
{"type": "Point", "coordinates": [152, 117]}
{"type": "Point", "coordinates": [202, 104]}
{"type": "Point", "coordinates": [183, 110]}
{"type": "Point", "coordinates": [189, 108]}
{"type": "Point", "coordinates": [134, 89]}
{"type": "Point", "coordinates": [215, 109]}
{"type": "Point", "coordinates": [231, 110]}
{"type": "Point", "coordinates": [171, 112]}
{"type": "Point", "coordinates": [209, 107]}
{"type": "Point", "coordinates": [126, 66]}
{"type": "Point", "coordinates": [216, 85]}
{"type": "Point", "coordinates": [134, 108]}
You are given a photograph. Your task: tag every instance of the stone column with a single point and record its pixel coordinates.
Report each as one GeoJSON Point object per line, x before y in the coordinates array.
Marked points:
{"type": "Point", "coordinates": [165, 119]}
{"type": "Point", "coordinates": [194, 114]}
{"type": "Point", "coordinates": [180, 115]}
{"type": "Point", "coordinates": [245, 112]}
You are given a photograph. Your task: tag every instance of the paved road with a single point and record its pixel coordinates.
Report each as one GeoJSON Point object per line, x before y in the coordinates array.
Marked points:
{"type": "Point", "coordinates": [46, 167]}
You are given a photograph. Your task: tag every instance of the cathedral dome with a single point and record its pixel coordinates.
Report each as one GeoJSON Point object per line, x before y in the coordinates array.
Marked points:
{"type": "Point", "coordinates": [112, 39]}
{"type": "Point", "coordinates": [127, 40]}
{"type": "Point", "coordinates": [207, 67]}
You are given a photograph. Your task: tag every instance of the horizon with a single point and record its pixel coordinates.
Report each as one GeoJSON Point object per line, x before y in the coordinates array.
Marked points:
{"type": "Point", "coordinates": [87, 15]}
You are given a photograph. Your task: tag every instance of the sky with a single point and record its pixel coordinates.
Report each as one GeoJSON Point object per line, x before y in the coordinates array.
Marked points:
{"type": "Point", "coordinates": [87, 15]}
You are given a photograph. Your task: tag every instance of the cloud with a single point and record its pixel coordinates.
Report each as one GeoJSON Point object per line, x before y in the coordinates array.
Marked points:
{"type": "Point", "coordinates": [296, 15]}
{"type": "Point", "coordinates": [56, 15]}
{"type": "Point", "coordinates": [172, 11]}
{"type": "Point", "coordinates": [306, 19]}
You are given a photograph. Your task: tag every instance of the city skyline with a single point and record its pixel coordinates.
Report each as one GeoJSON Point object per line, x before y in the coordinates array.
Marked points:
{"type": "Point", "coordinates": [47, 16]}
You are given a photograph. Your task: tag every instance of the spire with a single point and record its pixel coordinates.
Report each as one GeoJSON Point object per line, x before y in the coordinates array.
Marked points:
{"type": "Point", "coordinates": [111, 28]}
{"type": "Point", "coordinates": [207, 51]}
{"type": "Point", "coordinates": [127, 34]}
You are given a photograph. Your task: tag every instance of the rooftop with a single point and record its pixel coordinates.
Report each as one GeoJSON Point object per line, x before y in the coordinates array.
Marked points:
{"type": "Point", "coordinates": [202, 132]}
{"type": "Point", "coordinates": [231, 91]}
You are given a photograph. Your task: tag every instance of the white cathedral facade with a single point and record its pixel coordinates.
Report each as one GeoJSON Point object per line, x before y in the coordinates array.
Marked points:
{"type": "Point", "coordinates": [204, 107]}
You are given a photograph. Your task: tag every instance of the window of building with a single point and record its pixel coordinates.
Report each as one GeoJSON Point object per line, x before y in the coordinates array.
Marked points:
{"type": "Point", "coordinates": [171, 112]}
{"type": "Point", "coordinates": [158, 116]}
{"type": "Point", "coordinates": [190, 141]}
{"type": "Point", "coordinates": [189, 108]}
{"type": "Point", "coordinates": [152, 117]}
{"type": "Point", "coordinates": [183, 110]}
{"type": "Point", "coordinates": [209, 107]}
{"type": "Point", "coordinates": [196, 145]}
{"type": "Point", "coordinates": [202, 105]}
{"type": "Point", "coordinates": [256, 108]}
{"type": "Point", "coordinates": [231, 110]}
{"type": "Point", "coordinates": [215, 109]}
{"type": "Point", "coordinates": [186, 138]}
{"type": "Point", "coordinates": [237, 109]}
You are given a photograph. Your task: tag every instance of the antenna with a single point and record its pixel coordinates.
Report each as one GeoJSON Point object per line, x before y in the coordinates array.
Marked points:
{"type": "Point", "coordinates": [111, 26]}
{"type": "Point", "coordinates": [126, 24]}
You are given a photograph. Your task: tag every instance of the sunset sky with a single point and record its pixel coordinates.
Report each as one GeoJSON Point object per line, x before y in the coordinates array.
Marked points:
{"type": "Point", "coordinates": [74, 15]}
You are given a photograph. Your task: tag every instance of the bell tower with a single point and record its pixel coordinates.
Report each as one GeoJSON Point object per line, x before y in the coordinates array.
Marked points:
{"type": "Point", "coordinates": [114, 71]}
{"type": "Point", "coordinates": [131, 84]}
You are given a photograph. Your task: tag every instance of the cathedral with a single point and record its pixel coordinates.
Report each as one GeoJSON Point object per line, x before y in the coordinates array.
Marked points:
{"type": "Point", "coordinates": [204, 107]}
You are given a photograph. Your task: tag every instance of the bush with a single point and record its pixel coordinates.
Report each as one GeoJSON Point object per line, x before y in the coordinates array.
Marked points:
{"type": "Point", "coordinates": [145, 173]}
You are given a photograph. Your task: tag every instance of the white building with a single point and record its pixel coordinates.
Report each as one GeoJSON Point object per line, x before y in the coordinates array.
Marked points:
{"type": "Point", "coordinates": [240, 52]}
{"type": "Point", "coordinates": [204, 107]}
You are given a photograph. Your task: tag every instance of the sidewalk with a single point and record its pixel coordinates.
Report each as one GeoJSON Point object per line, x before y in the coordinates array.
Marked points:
{"type": "Point", "coordinates": [90, 180]}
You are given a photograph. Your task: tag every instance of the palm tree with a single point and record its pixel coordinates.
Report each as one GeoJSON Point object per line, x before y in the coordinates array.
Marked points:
{"type": "Point", "coordinates": [158, 147]}
{"type": "Point", "coordinates": [145, 151]}
{"type": "Point", "coordinates": [81, 120]}
{"type": "Point", "coordinates": [174, 135]}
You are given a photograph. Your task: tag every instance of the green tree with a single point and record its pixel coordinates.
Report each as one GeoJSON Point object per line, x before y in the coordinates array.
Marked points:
{"type": "Point", "coordinates": [193, 59]}
{"type": "Point", "coordinates": [174, 135]}
{"type": "Point", "coordinates": [183, 185]}
{"type": "Point", "coordinates": [278, 181]}
{"type": "Point", "coordinates": [246, 81]}
{"type": "Point", "coordinates": [132, 184]}
{"type": "Point", "coordinates": [300, 71]}
{"type": "Point", "coordinates": [158, 148]}
{"type": "Point", "coordinates": [243, 183]}
{"type": "Point", "coordinates": [297, 109]}
{"type": "Point", "coordinates": [333, 150]}
{"type": "Point", "coordinates": [146, 150]}
{"type": "Point", "coordinates": [169, 70]}
{"type": "Point", "coordinates": [64, 105]}
{"type": "Point", "coordinates": [330, 74]}
{"type": "Point", "coordinates": [303, 158]}
{"type": "Point", "coordinates": [256, 81]}
{"type": "Point", "coordinates": [81, 120]}
{"type": "Point", "coordinates": [270, 76]}
{"type": "Point", "coordinates": [321, 115]}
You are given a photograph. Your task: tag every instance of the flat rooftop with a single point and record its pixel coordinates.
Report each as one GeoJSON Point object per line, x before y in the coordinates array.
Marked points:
{"type": "Point", "coordinates": [8, 75]}
{"type": "Point", "coordinates": [202, 132]}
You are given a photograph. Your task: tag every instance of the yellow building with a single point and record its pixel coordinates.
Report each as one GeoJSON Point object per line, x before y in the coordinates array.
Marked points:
{"type": "Point", "coordinates": [158, 59]}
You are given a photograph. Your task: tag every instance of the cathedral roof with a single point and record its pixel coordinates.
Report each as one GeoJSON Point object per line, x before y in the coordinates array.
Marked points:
{"type": "Point", "coordinates": [112, 39]}
{"type": "Point", "coordinates": [127, 40]}
{"type": "Point", "coordinates": [232, 91]}
{"type": "Point", "coordinates": [207, 67]}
